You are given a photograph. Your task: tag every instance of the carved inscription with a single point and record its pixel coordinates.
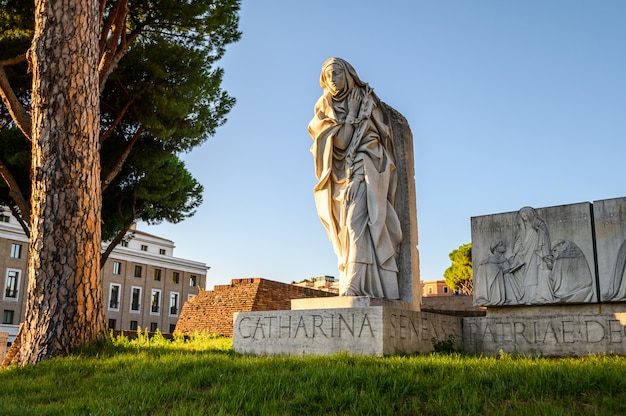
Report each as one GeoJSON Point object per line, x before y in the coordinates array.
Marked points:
{"type": "Point", "coordinates": [418, 327]}
{"type": "Point", "coordinates": [535, 333]}
{"type": "Point", "coordinates": [335, 325]}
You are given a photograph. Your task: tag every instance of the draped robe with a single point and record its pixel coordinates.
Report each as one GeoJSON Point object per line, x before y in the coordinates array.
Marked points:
{"type": "Point", "coordinates": [365, 232]}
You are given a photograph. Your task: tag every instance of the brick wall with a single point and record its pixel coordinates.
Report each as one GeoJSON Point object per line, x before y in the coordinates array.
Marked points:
{"type": "Point", "coordinates": [212, 310]}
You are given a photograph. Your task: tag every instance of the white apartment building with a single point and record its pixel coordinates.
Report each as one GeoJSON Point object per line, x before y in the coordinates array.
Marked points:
{"type": "Point", "coordinates": [144, 285]}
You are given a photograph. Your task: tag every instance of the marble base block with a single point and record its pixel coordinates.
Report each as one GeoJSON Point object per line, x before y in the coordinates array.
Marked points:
{"type": "Point", "coordinates": [576, 330]}
{"type": "Point", "coordinates": [361, 330]}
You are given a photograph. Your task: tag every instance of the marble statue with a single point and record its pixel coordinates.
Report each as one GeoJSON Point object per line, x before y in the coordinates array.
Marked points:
{"type": "Point", "coordinates": [356, 182]}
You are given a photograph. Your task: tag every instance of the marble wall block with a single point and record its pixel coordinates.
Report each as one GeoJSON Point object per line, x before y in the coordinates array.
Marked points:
{"type": "Point", "coordinates": [610, 228]}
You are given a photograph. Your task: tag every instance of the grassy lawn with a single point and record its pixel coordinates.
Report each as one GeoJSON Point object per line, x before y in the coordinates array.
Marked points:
{"type": "Point", "coordinates": [204, 376]}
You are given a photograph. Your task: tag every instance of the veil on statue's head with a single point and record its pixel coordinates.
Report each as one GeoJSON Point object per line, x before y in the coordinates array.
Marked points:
{"type": "Point", "coordinates": [351, 76]}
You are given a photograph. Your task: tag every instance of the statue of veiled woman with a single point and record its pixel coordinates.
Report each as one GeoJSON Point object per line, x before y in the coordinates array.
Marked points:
{"type": "Point", "coordinates": [356, 182]}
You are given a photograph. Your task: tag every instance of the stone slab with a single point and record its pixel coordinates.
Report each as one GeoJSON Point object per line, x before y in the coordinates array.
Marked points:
{"type": "Point", "coordinates": [610, 228]}
{"type": "Point", "coordinates": [557, 268]}
{"type": "Point", "coordinates": [370, 331]}
{"type": "Point", "coordinates": [349, 302]}
{"type": "Point", "coordinates": [576, 330]}
{"type": "Point", "coordinates": [406, 207]}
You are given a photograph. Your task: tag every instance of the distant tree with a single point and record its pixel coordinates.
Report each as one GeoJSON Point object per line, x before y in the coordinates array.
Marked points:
{"type": "Point", "coordinates": [459, 275]}
{"type": "Point", "coordinates": [97, 106]}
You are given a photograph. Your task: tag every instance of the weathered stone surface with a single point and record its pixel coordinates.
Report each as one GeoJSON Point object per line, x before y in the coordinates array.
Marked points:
{"type": "Point", "coordinates": [610, 229]}
{"type": "Point", "coordinates": [373, 330]}
{"type": "Point", "coordinates": [406, 208]}
{"type": "Point", "coordinates": [534, 256]}
{"type": "Point", "coordinates": [574, 330]}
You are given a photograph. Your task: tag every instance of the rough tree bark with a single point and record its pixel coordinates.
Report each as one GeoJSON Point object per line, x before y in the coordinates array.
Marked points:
{"type": "Point", "coordinates": [64, 308]}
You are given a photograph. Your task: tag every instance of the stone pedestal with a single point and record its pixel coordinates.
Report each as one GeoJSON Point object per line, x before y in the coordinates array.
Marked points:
{"type": "Point", "coordinates": [357, 325]}
{"type": "Point", "coordinates": [572, 330]}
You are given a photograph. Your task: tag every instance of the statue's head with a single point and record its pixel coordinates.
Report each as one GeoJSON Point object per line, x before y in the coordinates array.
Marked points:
{"type": "Point", "coordinates": [338, 76]}
{"type": "Point", "coordinates": [527, 214]}
{"type": "Point", "coordinates": [497, 246]}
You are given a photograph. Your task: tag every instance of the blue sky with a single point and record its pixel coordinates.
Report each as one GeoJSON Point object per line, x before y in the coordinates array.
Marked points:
{"type": "Point", "coordinates": [511, 103]}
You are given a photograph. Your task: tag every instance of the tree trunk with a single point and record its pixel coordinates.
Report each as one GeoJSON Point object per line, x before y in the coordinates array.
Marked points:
{"type": "Point", "coordinates": [64, 308]}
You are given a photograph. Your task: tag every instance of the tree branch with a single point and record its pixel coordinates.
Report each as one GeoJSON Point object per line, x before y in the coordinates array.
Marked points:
{"type": "Point", "coordinates": [114, 43]}
{"type": "Point", "coordinates": [120, 235]}
{"type": "Point", "coordinates": [117, 121]}
{"type": "Point", "coordinates": [16, 109]}
{"type": "Point", "coordinates": [117, 55]}
{"type": "Point", "coordinates": [15, 193]}
{"type": "Point", "coordinates": [23, 220]}
{"type": "Point", "coordinates": [120, 162]}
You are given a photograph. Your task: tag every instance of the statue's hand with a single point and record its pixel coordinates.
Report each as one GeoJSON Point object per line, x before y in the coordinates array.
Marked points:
{"type": "Point", "coordinates": [354, 102]}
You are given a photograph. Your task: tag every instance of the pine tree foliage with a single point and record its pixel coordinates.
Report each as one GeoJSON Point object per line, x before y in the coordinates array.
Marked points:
{"type": "Point", "coordinates": [161, 96]}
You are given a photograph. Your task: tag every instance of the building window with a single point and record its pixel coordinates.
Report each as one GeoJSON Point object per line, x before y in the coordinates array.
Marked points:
{"type": "Point", "coordinates": [133, 325]}
{"type": "Point", "coordinates": [174, 296]}
{"type": "Point", "coordinates": [4, 218]}
{"type": "Point", "coordinates": [153, 326]}
{"type": "Point", "coordinates": [162, 251]}
{"type": "Point", "coordinates": [430, 290]}
{"type": "Point", "coordinates": [114, 297]}
{"type": "Point", "coordinates": [156, 301]}
{"type": "Point", "coordinates": [12, 284]}
{"type": "Point", "coordinates": [193, 280]}
{"type": "Point", "coordinates": [144, 247]}
{"type": "Point", "coordinates": [117, 267]}
{"type": "Point", "coordinates": [137, 271]}
{"type": "Point", "coordinates": [135, 301]}
{"type": "Point", "coordinates": [7, 317]}
{"type": "Point", "coordinates": [124, 243]}
{"type": "Point", "coordinates": [176, 277]}
{"type": "Point", "coordinates": [16, 251]}
{"type": "Point", "coordinates": [157, 274]}
{"type": "Point", "coordinates": [172, 328]}
{"type": "Point", "coordinates": [112, 323]}
{"type": "Point", "coordinates": [445, 290]}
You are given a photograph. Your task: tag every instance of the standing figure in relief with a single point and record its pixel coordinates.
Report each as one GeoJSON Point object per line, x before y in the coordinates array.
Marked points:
{"type": "Point", "coordinates": [356, 185]}
{"type": "Point", "coordinates": [532, 257]}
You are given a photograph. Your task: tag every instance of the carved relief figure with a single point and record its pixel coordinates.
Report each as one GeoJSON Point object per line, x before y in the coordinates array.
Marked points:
{"type": "Point", "coordinates": [532, 257]}
{"type": "Point", "coordinates": [356, 185]}
{"type": "Point", "coordinates": [570, 278]}
{"type": "Point", "coordinates": [617, 288]}
{"type": "Point", "coordinates": [490, 281]}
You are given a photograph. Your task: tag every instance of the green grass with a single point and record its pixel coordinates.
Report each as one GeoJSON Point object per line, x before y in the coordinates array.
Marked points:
{"type": "Point", "coordinates": [202, 375]}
